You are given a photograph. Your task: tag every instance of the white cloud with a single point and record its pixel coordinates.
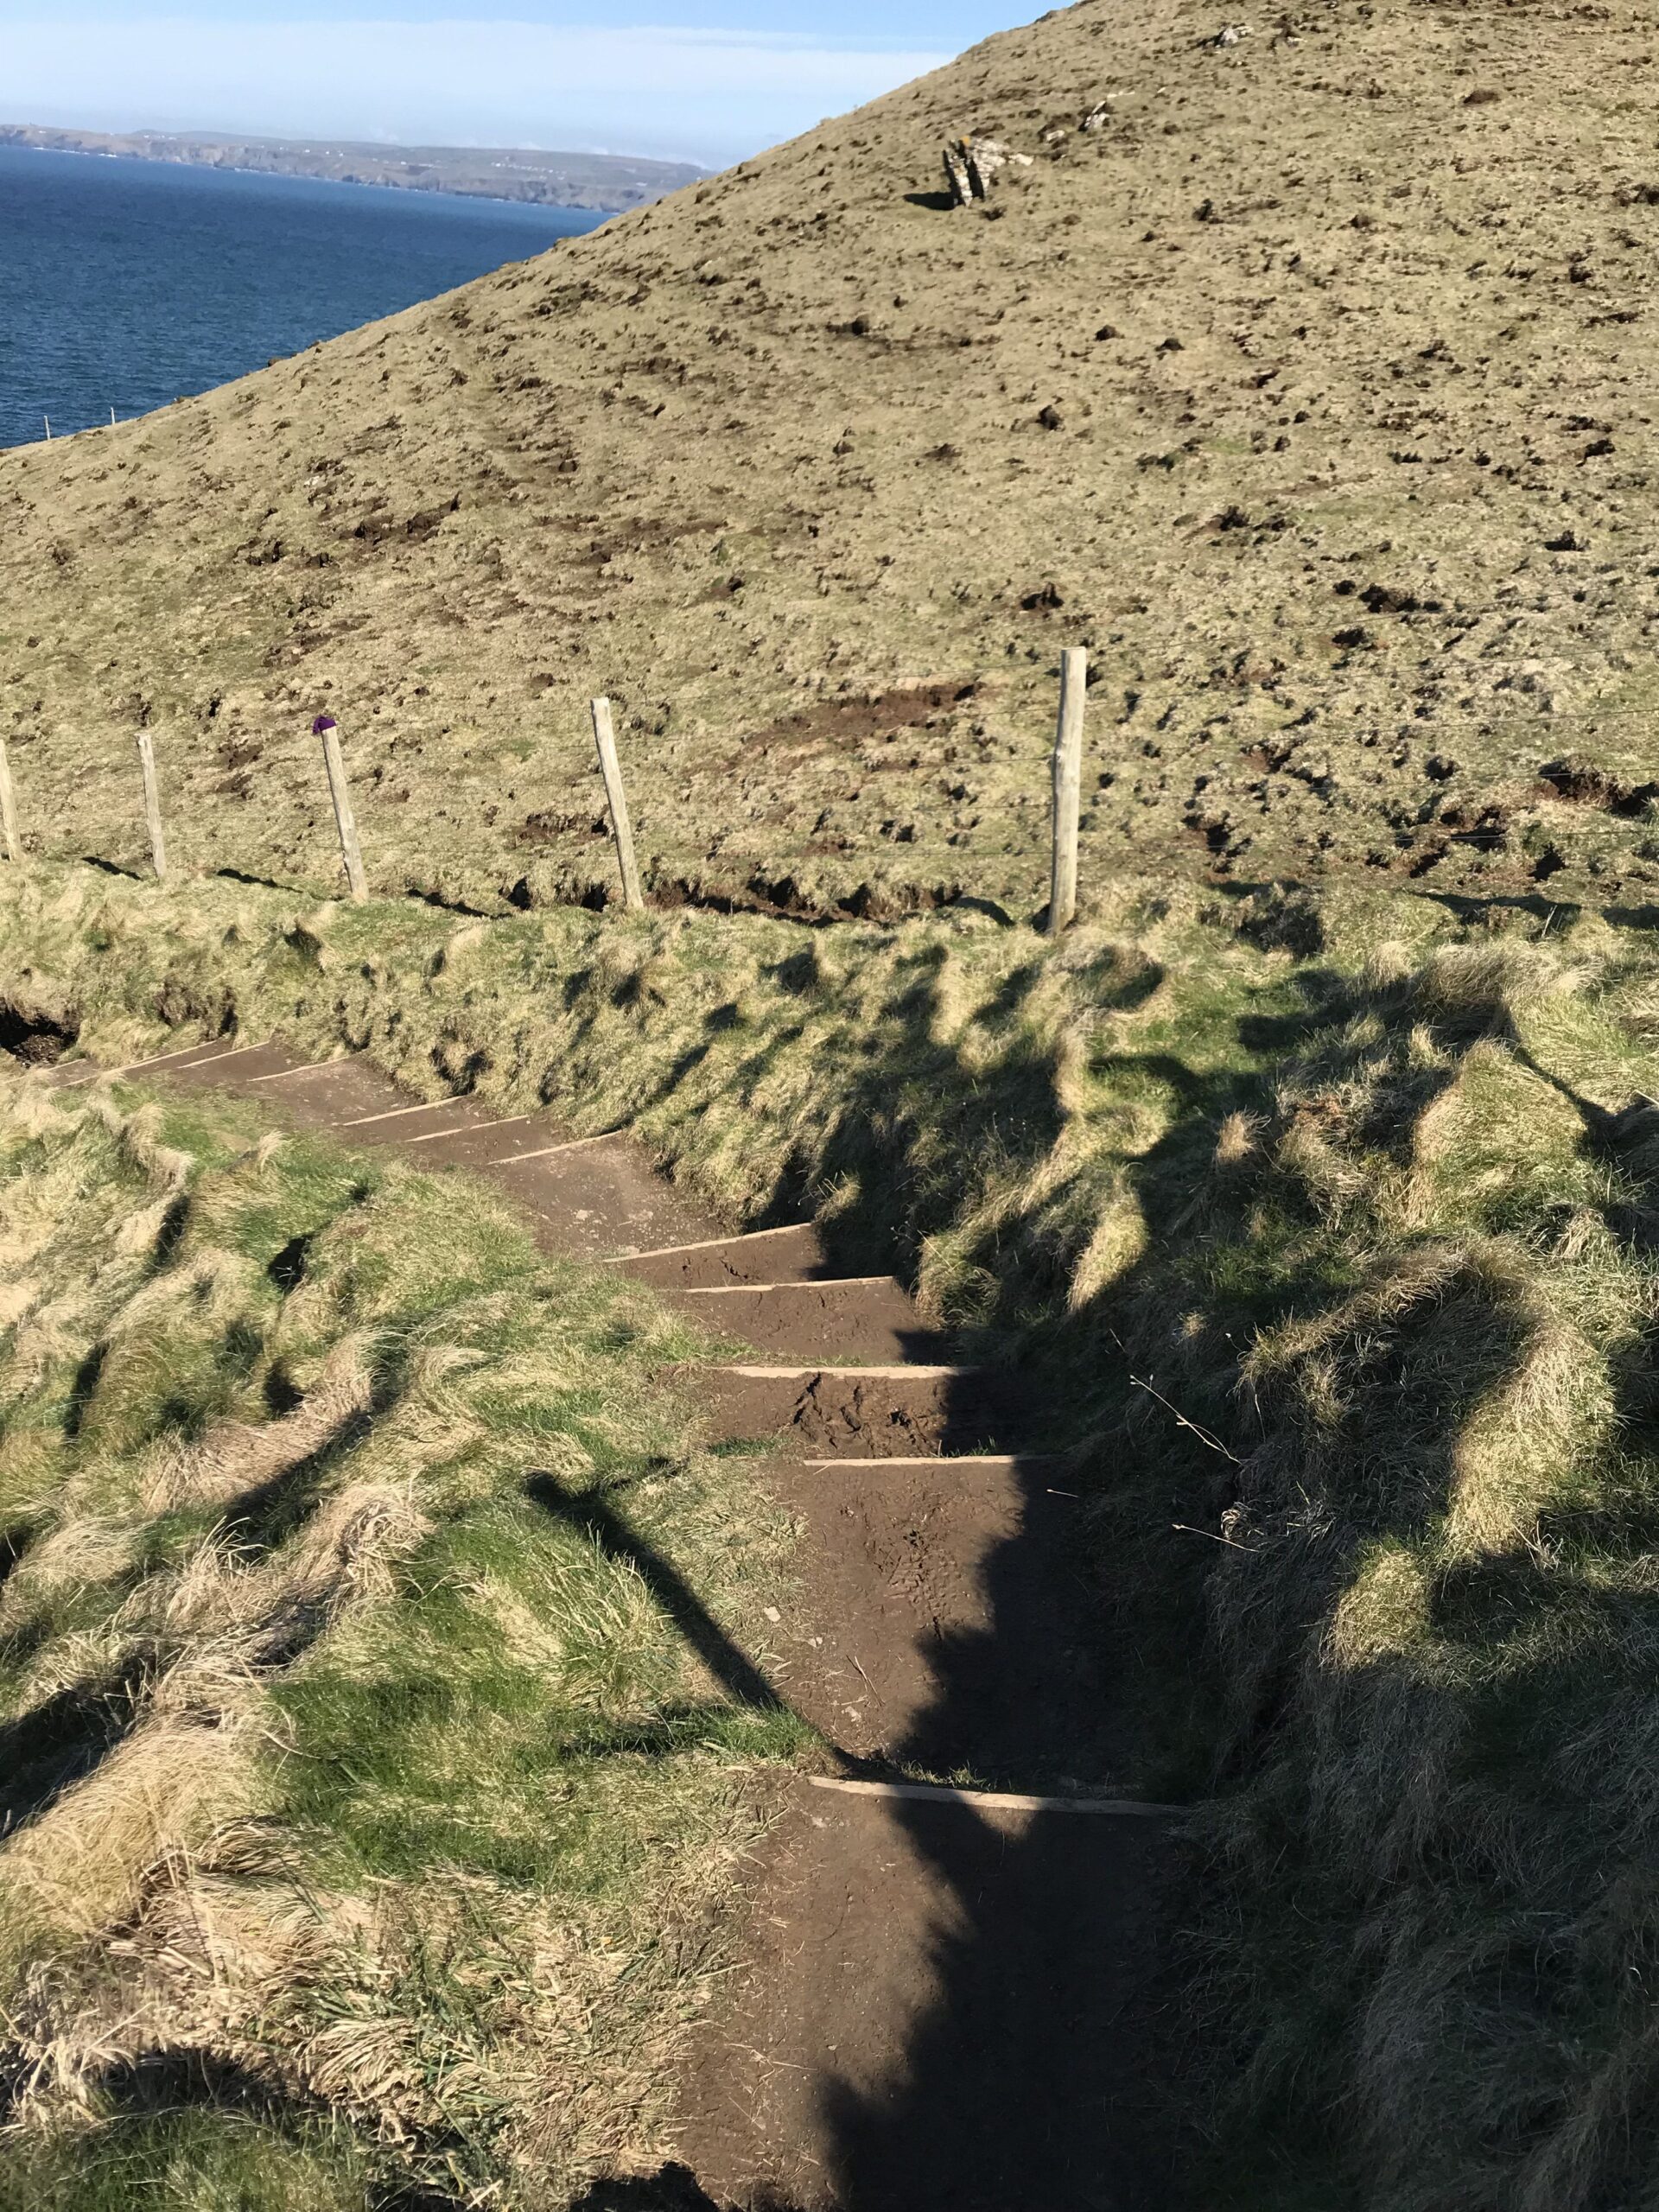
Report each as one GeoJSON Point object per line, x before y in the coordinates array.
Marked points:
{"type": "Point", "coordinates": [703, 94]}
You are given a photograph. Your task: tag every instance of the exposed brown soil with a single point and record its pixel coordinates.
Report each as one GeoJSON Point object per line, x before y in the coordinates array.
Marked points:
{"type": "Point", "coordinates": [1586, 784]}
{"type": "Point", "coordinates": [794, 1254]}
{"type": "Point", "coordinates": [840, 722]}
{"type": "Point", "coordinates": [951, 1624]}
{"type": "Point", "coordinates": [939, 2004]}
{"type": "Point", "coordinates": [864, 1319]}
{"type": "Point", "coordinates": [934, 2006]}
{"type": "Point", "coordinates": [34, 1034]}
{"type": "Point", "coordinates": [876, 1413]}
{"type": "Point", "coordinates": [939, 2011]}
{"type": "Point", "coordinates": [1309, 390]}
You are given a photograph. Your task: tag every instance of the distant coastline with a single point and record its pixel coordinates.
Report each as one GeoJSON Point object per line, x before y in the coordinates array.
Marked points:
{"type": "Point", "coordinates": [130, 284]}
{"type": "Point", "coordinates": [600, 183]}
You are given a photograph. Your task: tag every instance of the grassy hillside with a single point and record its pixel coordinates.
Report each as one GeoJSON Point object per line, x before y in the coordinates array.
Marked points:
{"type": "Point", "coordinates": [366, 1829]}
{"type": "Point", "coordinates": [1327, 1227]}
{"type": "Point", "coordinates": [1312, 391]}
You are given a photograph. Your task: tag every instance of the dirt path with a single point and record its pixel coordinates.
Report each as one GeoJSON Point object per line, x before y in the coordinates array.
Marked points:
{"type": "Point", "coordinates": [938, 2003]}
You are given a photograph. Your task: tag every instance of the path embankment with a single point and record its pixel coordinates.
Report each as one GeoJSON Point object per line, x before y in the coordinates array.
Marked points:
{"type": "Point", "coordinates": [1320, 1235]}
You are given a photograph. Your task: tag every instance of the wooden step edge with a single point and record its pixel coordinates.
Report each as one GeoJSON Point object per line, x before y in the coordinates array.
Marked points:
{"type": "Point", "coordinates": [547, 1150]}
{"type": "Point", "coordinates": [397, 1113]}
{"type": "Point", "coordinates": [742, 1237]}
{"type": "Point", "coordinates": [804, 1372]}
{"type": "Point", "coordinates": [477, 1129]}
{"type": "Point", "coordinates": [752, 1289]}
{"type": "Point", "coordinates": [191, 1056]}
{"type": "Point", "coordinates": [185, 1055]}
{"type": "Point", "coordinates": [996, 1801]}
{"type": "Point", "coordinates": [937, 1460]}
{"type": "Point", "coordinates": [310, 1067]}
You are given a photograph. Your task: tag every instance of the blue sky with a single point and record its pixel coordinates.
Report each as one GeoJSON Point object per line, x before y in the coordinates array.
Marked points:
{"type": "Point", "coordinates": [708, 80]}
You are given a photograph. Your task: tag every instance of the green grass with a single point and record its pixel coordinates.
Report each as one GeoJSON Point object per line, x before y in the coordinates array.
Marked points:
{"type": "Point", "coordinates": [1326, 1230]}
{"type": "Point", "coordinates": [187, 2161]}
{"type": "Point", "coordinates": [352, 1543]}
{"type": "Point", "coordinates": [459, 1730]}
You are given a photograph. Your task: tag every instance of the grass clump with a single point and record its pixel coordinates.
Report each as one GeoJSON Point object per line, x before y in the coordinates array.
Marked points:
{"type": "Point", "coordinates": [1420, 1921]}
{"type": "Point", "coordinates": [366, 1818]}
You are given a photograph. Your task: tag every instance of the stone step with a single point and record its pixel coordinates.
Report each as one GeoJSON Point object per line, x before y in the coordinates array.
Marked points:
{"type": "Point", "coordinates": [857, 1413]}
{"type": "Point", "coordinates": [856, 1318]}
{"type": "Point", "coordinates": [763, 1257]}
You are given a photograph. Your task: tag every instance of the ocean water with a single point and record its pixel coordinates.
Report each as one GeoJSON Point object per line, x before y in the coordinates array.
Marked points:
{"type": "Point", "coordinates": [126, 284]}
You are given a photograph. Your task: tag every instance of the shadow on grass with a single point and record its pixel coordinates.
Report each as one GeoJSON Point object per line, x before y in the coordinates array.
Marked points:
{"type": "Point", "coordinates": [1025, 2076]}
{"type": "Point", "coordinates": [267, 1514]}
{"type": "Point", "coordinates": [59, 1741]}
{"type": "Point", "coordinates": [588, 1514]}
{"type": "Point", "coordinates": [673, 2188]}
{"type": "Point", "coordinates": [136, 2151]}
{"type": "Point", "coordinates": [83, 1389]}
{"type": "Point", "coordinates": [14, 1547]}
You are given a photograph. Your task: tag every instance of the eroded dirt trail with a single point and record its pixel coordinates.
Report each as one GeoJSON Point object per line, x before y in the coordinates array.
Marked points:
{"type": "Point", "coordinates": [941, 1983]}
{"type": "Point", "coordinates": [935, 2013]}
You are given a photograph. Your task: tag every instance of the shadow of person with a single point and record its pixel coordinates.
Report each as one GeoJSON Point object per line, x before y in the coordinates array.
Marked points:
{"type": "Point", "coordinates": [1020, 2077]}
{"type": "Point", "coordinates": [1021, 2082]}
{"type": "Point", "coordinates": [995, 2042]}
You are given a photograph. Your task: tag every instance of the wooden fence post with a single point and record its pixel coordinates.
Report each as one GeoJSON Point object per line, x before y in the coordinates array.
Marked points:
{"type": "Point", "coordinates": [611, 769]}
{"type": "Point", "coordinates": [327, 729]}
{"type": "Point", "coordinates": [1068, 789]}
{"type": "Point", "coordinates": [9, 808]}
{"type": "Point", "coordinates": [152, 805]}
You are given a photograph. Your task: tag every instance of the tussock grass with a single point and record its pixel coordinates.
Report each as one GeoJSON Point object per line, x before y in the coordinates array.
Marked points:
{"type": "Point", "coordinates": [1326, 1230]}
{"type": "Point", "coordinates": [365, 1823]}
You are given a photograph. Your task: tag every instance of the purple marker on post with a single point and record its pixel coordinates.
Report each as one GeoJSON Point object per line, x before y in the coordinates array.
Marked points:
{"type": "Point", "coordinates": [327, 729]}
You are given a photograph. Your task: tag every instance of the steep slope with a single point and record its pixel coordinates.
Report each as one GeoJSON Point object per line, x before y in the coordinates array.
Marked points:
{"type": "Point", "coordinates": [1311, 391]}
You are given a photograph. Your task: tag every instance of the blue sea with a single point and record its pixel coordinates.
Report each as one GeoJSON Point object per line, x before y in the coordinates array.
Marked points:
{"type": "Point", "coordinates": [126, 284]}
